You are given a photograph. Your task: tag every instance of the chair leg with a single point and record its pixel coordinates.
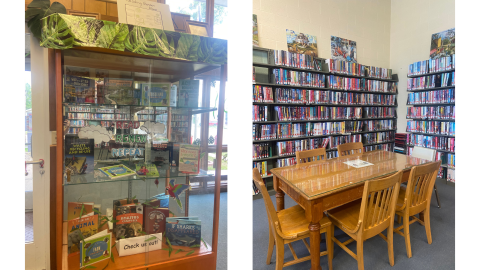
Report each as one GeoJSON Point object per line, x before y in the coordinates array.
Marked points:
{"type": "Point", "coordinates": [427, 226]}
{"type": "Point", "coordinates": [390, 245]}
{"type": "Point", "coordinates": [280, 252]}
{"type": "Point", "coordinates": [329, 241]}
{"type": "Point", "coordinates": [436, 195]}
{"type": "Point", "coordinates": [271, 243]}
{"type": "Point", "coordinates": [406, 235]}
{"type": "Point", "coordinates": [360, 254]}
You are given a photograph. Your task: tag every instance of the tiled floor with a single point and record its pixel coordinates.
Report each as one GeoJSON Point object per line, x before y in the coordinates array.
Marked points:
{"type": "Point", "coordinates": [28, 227]}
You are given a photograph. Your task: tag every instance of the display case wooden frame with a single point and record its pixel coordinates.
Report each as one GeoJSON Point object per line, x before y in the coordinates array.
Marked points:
{"type": "Point", "coordinates": [207, 258]}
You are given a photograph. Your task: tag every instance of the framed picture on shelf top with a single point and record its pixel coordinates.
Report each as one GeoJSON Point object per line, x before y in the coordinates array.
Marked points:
{"type": "Point", "coordinates": [198, 28]}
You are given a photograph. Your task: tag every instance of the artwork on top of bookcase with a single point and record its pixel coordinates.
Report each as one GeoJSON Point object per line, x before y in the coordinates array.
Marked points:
{"type": "Point", "coordinates": [302, 43]}
{"type": "Point", "coordinates": [145, 13]}
{"type": "Point", "coordinates": [443, 44]}
{"type": "Point", "coordinates": [255, 31]}
{"type": "Point", "coordinates": [343, 49]}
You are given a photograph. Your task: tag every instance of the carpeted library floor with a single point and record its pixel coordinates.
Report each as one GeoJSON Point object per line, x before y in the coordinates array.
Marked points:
{"type": "Point", "coordinates": [439, 255]}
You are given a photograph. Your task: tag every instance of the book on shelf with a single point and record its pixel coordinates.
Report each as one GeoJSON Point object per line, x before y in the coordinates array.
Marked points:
{"type": "Point", "coordinates": [434, 142]}
{"type": "Point", "coordinates": [79, 155]}
{"type": "Point", "coordinates": [158, 94]}
{"type": "Point", "coordinates": [432, 127]}
{"type": "Point", "coordinates": [74, 209]}
{"type": "Point", "coordinates": [298, 78]}
{"type": "Point", "coordinates": [260, 113]}
{"type": "Point", "coordinates": [290, 113]}
{"type": "Point", "coordinates": [435, 112]}
{"type": "Point", "coordinates": [95, 248]}
{"type": "Point", "coordinates": [432, 65]}
{"type": "Point", "coordinates": [432, 97]}
{"type": "Point", "coordinates": [120, 91]}
{"type": "Point", "coordinates": [79, 90]}
{"type": "Point", "coordinates": [155, 217]}
{"type": "Point", "coordinates": [189, 158]}
{"type": "Point", "coordinates": [262, 150]}
{"type": "Point", "coordinates": [296, 60]}
{"type": "Point", "coordinates": [184, 231]}
{"type": "Point", "coordinates": [188, 91]}
{"type": "Point", "coordinates": [129, 220]}
{"type": "Point", "coordinates": [117, 171]}
{"type": "Point", "coordinates": [262, 167]}
{"type": "Point", "coordinates": [378, 72]}
{"type": "Point", "coordinates": [148, 170]}
{"type": "Point", "coordinates": [80, 228]}
{"type": "Point", "coordinates": [262, 94]}
{"type": "Point", "coordinates": [451, 175]}
{"type": "Point", "coordinates": [345, 67]}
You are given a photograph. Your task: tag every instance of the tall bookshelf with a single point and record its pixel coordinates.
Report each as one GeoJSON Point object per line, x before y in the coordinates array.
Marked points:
{"type": "Point", "coordinates": [428, 119]}
{"type": "Point", "coordinates": [263, 66]}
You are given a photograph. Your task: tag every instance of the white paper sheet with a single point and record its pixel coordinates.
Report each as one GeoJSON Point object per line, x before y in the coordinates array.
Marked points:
{"type": "Point", "coordinates": [358, 163]}
{"type": "Point", "coordinates": [145, 13]}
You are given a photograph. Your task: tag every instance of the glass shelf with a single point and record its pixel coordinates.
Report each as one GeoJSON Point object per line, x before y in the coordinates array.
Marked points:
{"type": "Point", "coordinates": [196, 110]}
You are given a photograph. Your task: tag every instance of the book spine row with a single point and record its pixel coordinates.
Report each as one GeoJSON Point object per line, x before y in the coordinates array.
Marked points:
{"type": "Point", "coordinates": [338, 82]}
{"type": "Point", "coordinates": [431, 81]}
{"type": "Point", "coordinates": [377, 125]}
{"type": "Point", "coordinates": [434, 142]}
{"type": "Point", "coordinates": [432, 127]}
{"type": "Point", "coordinates": [378, 137]}
{"type": "Point", "coordinates": [379, 112]}
{"type": "Point", "coordinates": [79, 108]}
{"type": "Point", "coordinates": [262, 150]}
{"type": "Point", "coordinates": [381, 86]}
{"type": "Point", "coordinates": [432, 97]}
{"type": "Point", "coordinates": [260, 113]}
{"type": "Point", "coordinates": [73, 130]}
{"type": "Point", "coordinates": [301, 96]}
{"type": "Point", "coordinates": [262, 94]}
{"type": "Point", "coordinates": [287, 113]}
{"type": "Point", "coordinates": [288, 148]}
{"type": "Point", "coordinates": [377, 72]}
{"type": "Point", "coordinates": [296, 60]}
{"type": "Point", "coordinates": [385, 147]}
{"type": "Point", "coordinates": [78, 123]}
{"type": "Point", "coordinates": [344, 67]}
{"type": "Point", "coordinates": [437, 112]}
{"type": "Point", "coordinates": [298, 78]}
{"type": "Point", "coordinates": [283, 162]}
{"type": "Point", "coordinates": [264, 132]}
{"type": "Point", "coordinates": [335, 141]}
{"type": "Point", "coordinates": [262, 167]}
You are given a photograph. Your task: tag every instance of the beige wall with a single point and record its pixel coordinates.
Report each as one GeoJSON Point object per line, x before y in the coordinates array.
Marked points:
{"type": "Point", "coordinates": [365, 21]}
{"type": "Point", "coordinates": [412, 26]}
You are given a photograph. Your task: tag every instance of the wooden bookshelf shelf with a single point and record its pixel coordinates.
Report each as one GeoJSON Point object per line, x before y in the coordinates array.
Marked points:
{"type": "Point", "coordinates": [432, 73]}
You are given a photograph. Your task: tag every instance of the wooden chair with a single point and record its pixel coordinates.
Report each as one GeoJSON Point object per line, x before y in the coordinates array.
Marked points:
{"type": "Point", "coordinates": [311, 155]}
{"type": "Point", "coordinates": [415, 199]}
{"type": "Point", "coordinates": [290, 225]}
{"type": "Point", "coordinates": [364, 219]}
{"type": "Point", "coordinates": [349, 148]}
{"type": "Point", "coordinates": [428, 154]}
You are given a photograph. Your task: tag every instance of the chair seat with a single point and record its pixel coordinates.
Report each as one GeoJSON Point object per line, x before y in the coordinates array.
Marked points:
{"type": "Point", "coordinates": [293, 221]}
{"type": "Point", "coordinates": [347, 214]}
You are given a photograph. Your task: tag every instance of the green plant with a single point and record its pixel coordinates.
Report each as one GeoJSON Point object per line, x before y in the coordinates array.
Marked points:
{"type": "Point", "coordinates": [39, 9]}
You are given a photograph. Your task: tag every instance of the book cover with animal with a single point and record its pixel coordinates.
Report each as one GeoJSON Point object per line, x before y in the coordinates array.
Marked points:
{"type": "Point", "coordinates": [155, 218]}
{"type": "Point", "coordinates": [156, 94]}
{"type": "Point", "coordinates": [95, 248]}
{"type": "Point", "coordinates": [185, 231]}
{"type": "Point", "coordinates": [117, 171]}
{"type": "Point", "coordinates": [129, 220]}
{"type": "Point", "coordinates": [77, 89]}
{"type": "Point", "coordinates": [74, 209]}
{"type": "Point", "coordinates": [302, 43]}
{"type": "Point", "coordinates": [188, 93]}
{"type": "Point", "coordinates": [119, 91]}
{"type": "Point", "coordinates": [148, 170]}
{"type": "Point", "coordinates": [189, 158]}
{"type": "Point", "coordinates": [121, 202]}
{"type": "Point", "coordinates": [80, 228]}
{"type": "Point", "coordinates": [79, 155]}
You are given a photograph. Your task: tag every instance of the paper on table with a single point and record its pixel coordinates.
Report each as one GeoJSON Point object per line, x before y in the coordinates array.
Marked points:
{"type": "Point", "coordinates": [145, 13]}
{"type": "Point", "coordinates": [358, 163]}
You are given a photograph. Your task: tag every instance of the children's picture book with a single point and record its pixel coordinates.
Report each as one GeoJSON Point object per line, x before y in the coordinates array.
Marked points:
{"type": "Point", "coordinates": [302, 43]}
{"type": "Point", "coordinates": [121, 202]}
{"type": "Point", "coordinates": [155, 218]}
{"type": "Point", "coordinates": [189, 158]}
{"type": "Point", "coordinates": [77, 89]}
{"type": "Point", "coordinates": [95, 248]}
{"type": "Point", "coordinates": [119, 91]}
{"type": "Point", "coordinates": [80, 228]}
{"type": "Point", "coordinates": [156, 94]}
{"type": "Point", "coordinates": [443, 44]}
{"type": "Point", "coordinates": [184, 231]}
{"type": "Point", "coordinates": [148, 170]}
{"type": "Point", "coordinates": [188, 93]}
{"type": "Point", "coordinates": [129, 220]}
{"type": "Point", "coordinates": [117, 171]}
{"type": "Point", "coordinates": [79, 155]}
{"type": "Point", "coordinates": [343, 49]}
{"type": "Point", "coordinates": [74, 209]}
{"type": "Point", "coordinates": [255, 31]}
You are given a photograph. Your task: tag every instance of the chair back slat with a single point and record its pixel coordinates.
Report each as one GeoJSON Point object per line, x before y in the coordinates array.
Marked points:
{"type": "Point", "coordinates": [349, 149]}
{"type": "Point", "coordinates": [421, 182]}
{"type": "Point", "coordinates": [378, 201]}
{"type": "Point", "coordinates": [271, 212]}
{"type": "Point", "coordinates": [311, 155]}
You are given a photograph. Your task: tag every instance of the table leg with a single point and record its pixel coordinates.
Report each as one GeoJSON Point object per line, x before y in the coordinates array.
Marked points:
{"type": "Point", "coordinates": [314, 213]}
{"type": "Point", "coordinates": [280, 194]}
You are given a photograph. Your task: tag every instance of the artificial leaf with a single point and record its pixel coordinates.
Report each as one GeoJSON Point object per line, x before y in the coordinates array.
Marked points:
{"type": "Point", "coordinates": [190, 253]}
{"type": "Point", "coordinates": [205, 243]}
{"type": "Point", "coordinates": [194, 246]}
{"type": "Point", "coordinates": [81, 211]}
{"type": "Point", "coordinates": [202, 155]}
{"type": "Point", "coordinates": [111, 257]}
{"type": "Point", "coordinates": [107, 265]}
{"type": "Point", "coordinates": [114, 220]}
{"type": "Point", "coordinates": [168, 242]}
{"type": "Point", "coordinates": [39, 4]}
{"type": "Point", "coordinates": [170, 251]}
{"type": "Point", "coordinates": [151, 238]}
{"type": "Point", "coordinates": [39, 9]}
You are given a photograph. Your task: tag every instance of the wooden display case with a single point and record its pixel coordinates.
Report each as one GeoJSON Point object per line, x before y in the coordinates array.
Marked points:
{"type": "Point", "coordinates": [91, 186]}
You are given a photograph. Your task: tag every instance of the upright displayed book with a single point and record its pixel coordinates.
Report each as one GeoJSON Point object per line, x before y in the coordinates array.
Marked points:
{"type": "Point", "coordinates": [77, 89]}
{"type": "Point", "coordinates": [188, 91]}
{"type": "Point", "coordinates": [80, 228]}
{"type": "Point", "coordinates": [95, 248]}
{"type": "Point", "coordinates": [117, 171]}
{"type": "Point", "coordinates": [129, 220]}
{"type": "Point", "coordinates": [163, 94]}
{"type": "Point", "coordinates": [75, 209]}
{"type": "Point", "coordinates": [79, 157]}
{"type": "Point", "coordinates": [184, 231]}
{"type": "Point", "coordinates": [189, 158]}
{"type": "Point", "coordinates": [120, 91]}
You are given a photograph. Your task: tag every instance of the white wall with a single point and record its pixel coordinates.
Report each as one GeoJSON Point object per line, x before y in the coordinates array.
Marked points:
{"type": "Point", "coordinates": [413, 23]}
{"type": "Point", "coordinates": [365, 21]}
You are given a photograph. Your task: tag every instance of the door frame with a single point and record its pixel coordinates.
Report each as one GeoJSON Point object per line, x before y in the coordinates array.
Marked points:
{"type": "Point", "coordinates": [37, 253]}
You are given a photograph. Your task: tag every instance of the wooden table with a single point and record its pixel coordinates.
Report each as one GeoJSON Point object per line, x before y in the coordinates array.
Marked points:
{"type": "Point", "coordinates": [323, 185]}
